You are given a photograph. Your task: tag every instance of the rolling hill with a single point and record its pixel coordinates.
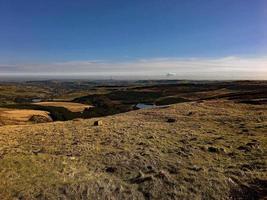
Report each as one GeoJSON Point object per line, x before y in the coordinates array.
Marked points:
{"type": "Point", "coordinates": [214, 149]}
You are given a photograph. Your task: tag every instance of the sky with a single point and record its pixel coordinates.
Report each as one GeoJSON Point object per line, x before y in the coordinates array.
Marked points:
{"type": "Point", "coordinates": [196, 39]}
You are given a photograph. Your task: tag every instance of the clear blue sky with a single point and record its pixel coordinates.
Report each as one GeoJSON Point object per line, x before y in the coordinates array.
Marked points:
{"type": "Point", "coordinates": [43, 31]}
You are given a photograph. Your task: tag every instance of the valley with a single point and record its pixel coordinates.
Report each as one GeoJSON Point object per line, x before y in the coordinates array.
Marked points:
{"type": "Point", "coordinates": [200, 140]}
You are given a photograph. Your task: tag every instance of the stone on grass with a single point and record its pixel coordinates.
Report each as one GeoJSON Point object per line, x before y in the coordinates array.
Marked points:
{"type": "Point", "coordinates": [216, 150]}
{"type": "Point", "coordinates": [171, 120]}
{"type": "Point", "coordinates": [190, 113]}
{"type": "Point", "coordinates": [40, 119]}
{"type": "Point", "coordinates": [98, 123]}
{"type": "Point", "coordinates": [111, 169]}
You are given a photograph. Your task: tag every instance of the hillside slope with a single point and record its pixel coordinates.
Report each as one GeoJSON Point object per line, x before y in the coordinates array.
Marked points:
{"type": "Point", "coordinates": [207, 150]}
{"type": "Point", "coordinates": [21, 117]}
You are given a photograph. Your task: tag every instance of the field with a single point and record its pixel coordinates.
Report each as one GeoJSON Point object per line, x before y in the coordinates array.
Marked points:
{"type": "Point", "coordinates": [208, 141]}
{"type": "Point", "coordinates": [15, 116]}
{"type": "Point", "coordinates": [213, 150]}
{"type": "Point", "coordinates": [73, 107]}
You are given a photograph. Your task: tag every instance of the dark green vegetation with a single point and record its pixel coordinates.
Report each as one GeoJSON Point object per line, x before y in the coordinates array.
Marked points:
{"type": "Point", "coordinates": [113, 97]}
{"type": "Point", "coordinates": [165, 94]}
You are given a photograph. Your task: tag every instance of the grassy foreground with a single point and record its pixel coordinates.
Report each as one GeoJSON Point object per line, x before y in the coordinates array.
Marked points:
{"type": "Point", "coordinates": [212, 150]}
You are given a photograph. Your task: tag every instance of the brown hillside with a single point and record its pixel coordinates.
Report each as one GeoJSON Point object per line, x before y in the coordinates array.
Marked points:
{"type": "Point", "coordinates": [74, 107]}
{"type": "Point", "coordinates": [208, 150]}
{"type": "Point", "coordinates": [18, 117]}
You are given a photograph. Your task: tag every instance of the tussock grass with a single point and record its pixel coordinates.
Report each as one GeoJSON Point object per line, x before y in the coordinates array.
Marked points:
{"type": "Point", "coordinates": [218, 151]}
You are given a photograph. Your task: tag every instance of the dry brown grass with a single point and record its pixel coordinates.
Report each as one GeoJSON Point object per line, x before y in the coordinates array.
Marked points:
{"type": "Point", "coordinates": [214, 150]}
{"type": "Point", "coordinates": [73, 107]}
{"type": "Point", "coordinates": [18, 116]}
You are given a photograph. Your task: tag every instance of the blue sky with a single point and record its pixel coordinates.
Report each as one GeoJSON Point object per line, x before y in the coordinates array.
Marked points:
{"type": "Point", "coordinates": [38, 34]}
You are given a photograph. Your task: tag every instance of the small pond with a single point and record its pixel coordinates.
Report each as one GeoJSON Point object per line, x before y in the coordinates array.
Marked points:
{"type": "Point", "coordinates": [36, 100]}
{"type": "Point", "coordinates": [144, 106]}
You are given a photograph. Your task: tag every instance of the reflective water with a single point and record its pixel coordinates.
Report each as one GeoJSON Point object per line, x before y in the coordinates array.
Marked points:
{"type": "Point", "coordinates": [144, 106]}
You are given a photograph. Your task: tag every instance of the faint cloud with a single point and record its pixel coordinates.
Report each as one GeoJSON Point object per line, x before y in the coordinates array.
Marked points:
{"type": "Point", "coordinates": [170, 74]}
{"type": "Point", "coordinates": [230, 67]}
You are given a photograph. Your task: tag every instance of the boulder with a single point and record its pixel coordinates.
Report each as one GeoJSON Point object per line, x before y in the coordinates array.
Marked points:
{"type": "Point", "coordinates": [216, 150]}
{"type": "Point", "coordinates": [98, 123]}
{"type": "Point", "coordinates": [40, 119]}
{"type": "Point", "coordinates": [171, 120]}
{"type": "Point", "coordinates": [190, 113]}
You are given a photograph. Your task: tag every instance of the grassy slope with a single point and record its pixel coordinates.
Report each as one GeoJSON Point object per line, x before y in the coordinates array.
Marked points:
{"type": "Point", "coordinates": [138, 155]}
{"type": "Point", "coordinates": [73, 107]}
{"type": "Point", "coordinates": [19, 117]}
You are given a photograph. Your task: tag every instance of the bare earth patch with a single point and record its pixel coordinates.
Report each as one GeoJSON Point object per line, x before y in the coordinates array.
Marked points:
{"type": "Point", "coordinates": [73, 107]}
